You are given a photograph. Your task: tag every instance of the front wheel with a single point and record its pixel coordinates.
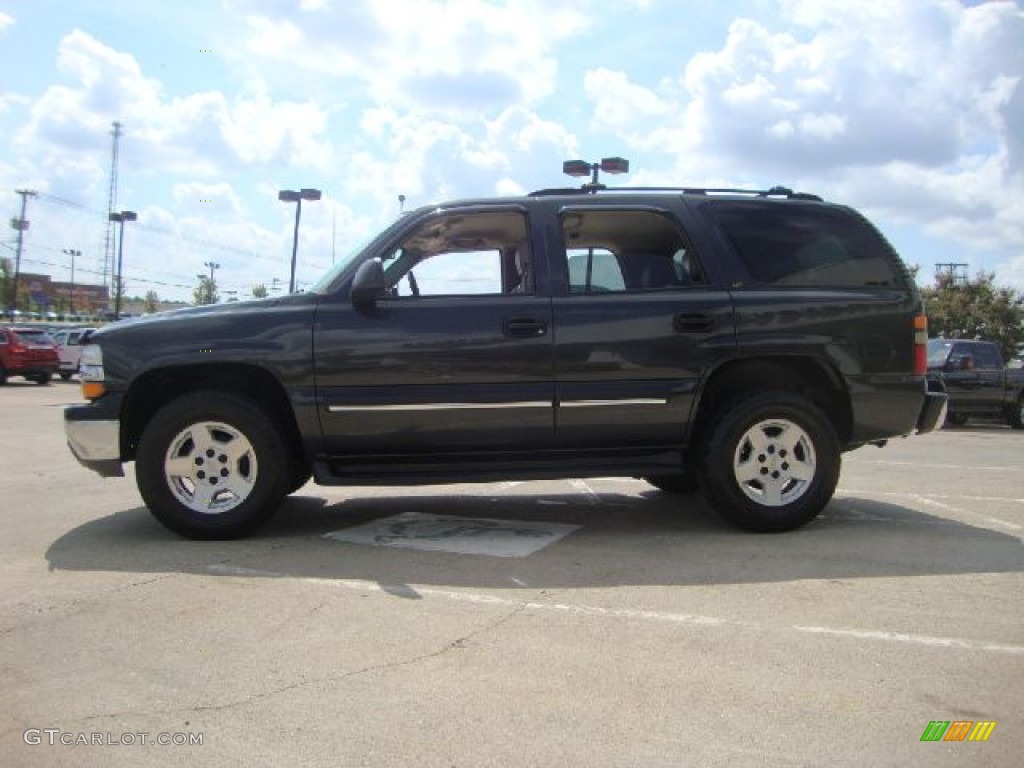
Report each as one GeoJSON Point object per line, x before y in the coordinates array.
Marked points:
{"type": "Point", "coordinates": [209, 466]}
{"type": "Point", "coordinates": [772, 462]}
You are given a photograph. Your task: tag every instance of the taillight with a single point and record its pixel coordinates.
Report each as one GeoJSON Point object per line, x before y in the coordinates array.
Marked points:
{"type": "Point", "coordinates": [920, 345]}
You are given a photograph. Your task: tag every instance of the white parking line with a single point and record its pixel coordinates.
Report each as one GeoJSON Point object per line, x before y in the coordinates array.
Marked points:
{"type": "Point", "coordinates": [660, 617]}
{"type": "Point", "coordinates": [931, 500]}
{"type": "Point", "coordinates": [592, 496]}
{"type": "Point", "coordinates": [929, 466]}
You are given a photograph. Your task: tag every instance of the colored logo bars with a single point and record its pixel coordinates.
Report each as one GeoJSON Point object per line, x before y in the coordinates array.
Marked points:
{"type": "Point", "coordinates": [958, 730]}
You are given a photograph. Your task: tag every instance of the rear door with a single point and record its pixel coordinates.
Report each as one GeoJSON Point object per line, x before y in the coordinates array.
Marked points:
{"type": "Point", "coordinates": [638, 323]}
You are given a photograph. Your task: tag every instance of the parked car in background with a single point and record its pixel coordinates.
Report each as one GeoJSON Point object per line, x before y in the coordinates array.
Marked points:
{"type": "Point", "coordinates": [976, 381]}
{"type": "Point", "coordinates": [28, 352]}
{"type": "Point", "coordinates": [69, 349]}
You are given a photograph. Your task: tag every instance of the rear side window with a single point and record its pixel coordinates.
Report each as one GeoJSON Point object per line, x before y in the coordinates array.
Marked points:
{"type": "Point", "coordinates": [986, 357]}
{"type": "Point", "coordinates": [806, 245]}
{"type": "Point", "coordinates": [616, 251]}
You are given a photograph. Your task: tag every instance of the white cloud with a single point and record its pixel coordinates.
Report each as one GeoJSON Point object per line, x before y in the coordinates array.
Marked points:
{"type": "Point", "coordinates": [620, 103]}
{"type": "Point", "coordinates": [209, 199]}
{"type": "Point", "coordinates": [198, 133]}
{"type": "Point", "coordinates": [424, 54]}
{"type": "Point", "coordinates": [912, 110]}
{"type": "Point", "coordinates": [5, 21]}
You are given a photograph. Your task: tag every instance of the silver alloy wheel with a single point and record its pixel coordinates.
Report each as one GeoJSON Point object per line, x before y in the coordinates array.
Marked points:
{"type": "Point", "coordinates": [210, 467]}
{"type": "Point", "coordinates": [774, 462]}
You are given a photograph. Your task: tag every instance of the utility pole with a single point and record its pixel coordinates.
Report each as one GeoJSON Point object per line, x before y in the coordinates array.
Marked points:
{"type": "Point", "coordinates": [20, 224]}
{"type": "Point", "coordinates": [953, 273]}
{"type": "Point", "coordinates": [108, 245]}
{"type": "Point", "coordinates": [209, 286]}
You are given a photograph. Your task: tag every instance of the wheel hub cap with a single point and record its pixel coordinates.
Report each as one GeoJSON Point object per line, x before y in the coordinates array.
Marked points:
{"type": "Point", "coordinates": [774, 463]}
{"type": "Point", "coordinates": [210, 467]}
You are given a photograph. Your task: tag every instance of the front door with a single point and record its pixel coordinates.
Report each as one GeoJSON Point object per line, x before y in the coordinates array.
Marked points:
{"type": "Point", "coordinates": [456, 358]}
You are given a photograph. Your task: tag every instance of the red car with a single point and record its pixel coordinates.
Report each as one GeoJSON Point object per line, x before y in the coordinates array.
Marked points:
{"type": "Point", "coordinates": [28, 352]}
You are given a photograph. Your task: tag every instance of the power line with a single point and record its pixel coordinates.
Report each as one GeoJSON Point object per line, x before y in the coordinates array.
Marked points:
{"type": "Point", "coordinates": [166, 232]}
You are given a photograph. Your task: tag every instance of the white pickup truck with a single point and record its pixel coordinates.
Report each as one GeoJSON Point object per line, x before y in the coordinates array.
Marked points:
{"type": "Point", "coordinates": [69, 349]}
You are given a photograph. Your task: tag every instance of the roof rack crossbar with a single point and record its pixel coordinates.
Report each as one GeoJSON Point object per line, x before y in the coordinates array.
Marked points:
{"type": "Point", "coordinates": [773, 192]}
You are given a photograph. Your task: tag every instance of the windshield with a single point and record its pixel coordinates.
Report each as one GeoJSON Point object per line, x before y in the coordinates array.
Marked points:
{"type": "Point", "coordinates": [938, 351]}
{"type": "Point", "coordinates": [326, 282]}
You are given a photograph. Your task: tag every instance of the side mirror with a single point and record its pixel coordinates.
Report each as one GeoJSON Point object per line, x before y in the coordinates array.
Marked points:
{"type": "Point", "coordinates": [369, 284]}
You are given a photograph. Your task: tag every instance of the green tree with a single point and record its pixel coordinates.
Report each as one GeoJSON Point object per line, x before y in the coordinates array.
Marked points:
{"type": "Point", "coordinates": [259, 291]}
{"type": "Point", "coordinates": [151, 302]}
{"type": "Point", "coordinates": [205, 291]}
{"type": "Point", "coordinates": [976, 308]}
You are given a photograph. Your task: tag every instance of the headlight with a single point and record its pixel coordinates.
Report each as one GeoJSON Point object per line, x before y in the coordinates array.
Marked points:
{"type": "Point", "coordinates": [90, 370]}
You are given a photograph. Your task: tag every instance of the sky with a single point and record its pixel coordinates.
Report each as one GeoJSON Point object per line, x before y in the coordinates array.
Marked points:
{"type": "Point", "coordinates": [912, 111]}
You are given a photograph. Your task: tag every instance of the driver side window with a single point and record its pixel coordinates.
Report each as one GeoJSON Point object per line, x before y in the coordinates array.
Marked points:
{"type": "Point", "coordinates": [463, 254]}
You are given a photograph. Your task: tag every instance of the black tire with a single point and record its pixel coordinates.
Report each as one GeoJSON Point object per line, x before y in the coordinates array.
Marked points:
{"type": "Point", "coordinates": [65, 375]}
{"type": "Point", "coordinates": [956, 419]}
{"type": "Point", "coordinates": [787, 480]}
{"type": "Point", "coordinates": [242, 445]}
{"type": "Point", "coordinates": [1015, 418]}
{"type": "Point", "coordinates": [42, 379]}
{"type": "Point", "coordinates": [301, 474]}
{"type": "Point", "coordinates": [677, 484]}
{"type": "Point", "coordinates": [3, 376]}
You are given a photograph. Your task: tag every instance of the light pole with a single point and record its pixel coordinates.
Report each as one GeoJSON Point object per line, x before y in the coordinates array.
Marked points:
{"type": "Point", "coordinates": [583, 168]}
{"type": "Point", "coordinates": [72, 253]}
{"type": "Point", "coordinates": [121, 218]}
{"type": "Point", "coordinates": [291, 196]}
{"type": "Point", "coordinates": [209, 286]}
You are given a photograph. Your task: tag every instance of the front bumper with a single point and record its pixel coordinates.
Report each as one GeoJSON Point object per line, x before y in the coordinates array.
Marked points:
{"type": "Point", "coordinates": [94, 436]}
{"type": "Point", "coordinates": [933, 412]}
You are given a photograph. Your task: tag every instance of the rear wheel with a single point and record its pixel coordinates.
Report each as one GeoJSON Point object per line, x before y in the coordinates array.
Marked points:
{"type": "Point", "coordinates": [3, 376]}
{"type": "Point", "coordinates": [956, 419]}
{"type": "Point", "coordinates": [772, 462]}
{"type": "Point", "coordinates": [43, 378]}
{"type": "Point", "coordinates": [65, 375]}
{"type": "Point", "coordinates": [209, 466]}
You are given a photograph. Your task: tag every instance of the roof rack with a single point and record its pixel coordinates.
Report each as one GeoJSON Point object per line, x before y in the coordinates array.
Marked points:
{"type": "Point", "coordinates": [589, 189]}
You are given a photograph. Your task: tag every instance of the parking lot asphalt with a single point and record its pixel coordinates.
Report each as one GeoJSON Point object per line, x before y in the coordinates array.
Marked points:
{"type": "Point", "coordinates": [642, 632]}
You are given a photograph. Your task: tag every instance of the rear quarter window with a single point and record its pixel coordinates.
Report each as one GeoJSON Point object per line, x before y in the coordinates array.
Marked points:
{"type": "Point", "coordinates": [789, 244]}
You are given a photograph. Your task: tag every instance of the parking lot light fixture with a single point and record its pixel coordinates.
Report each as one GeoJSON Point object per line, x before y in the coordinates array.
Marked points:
{"type": "Point", "coordinates": [120, 218]}
{"type": "Point", "coordinates": [293, 196]}
{"type": "Point", "coordinates": [73, 254]}
{"type": "Point", "coordinates": [579, 168]}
